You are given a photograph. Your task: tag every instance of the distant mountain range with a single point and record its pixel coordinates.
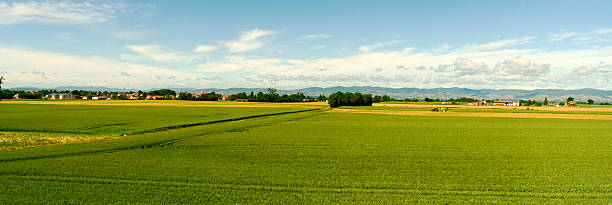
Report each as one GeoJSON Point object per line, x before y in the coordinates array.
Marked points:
{"type": "Point", "coordinates": [420, 93]}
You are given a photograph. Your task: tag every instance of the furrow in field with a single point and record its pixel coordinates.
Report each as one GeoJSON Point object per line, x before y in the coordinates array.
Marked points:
{"type": "Point", "coordinates": [174, 127]}
{"type": "Point", "coordinates": [310, 189]}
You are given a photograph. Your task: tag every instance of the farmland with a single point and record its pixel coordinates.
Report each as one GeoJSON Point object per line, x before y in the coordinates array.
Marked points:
{"type": "Point", "coordinates": [289, 153]}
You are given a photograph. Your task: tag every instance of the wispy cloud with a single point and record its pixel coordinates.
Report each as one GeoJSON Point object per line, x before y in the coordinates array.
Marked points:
{"type": "Point", "coordinates": [156, 53]}
{"type": "Point", "coordinates": [580, 36]}
{"type": "Point", "coordinates": [57, 12]}
{"type": "Point", "coordinates": [370, 48]}
{"type": "Point", "coordinates": [205, 48]}
{"type": "Point", "coordinates": [500, 44]}
{"type": "Point", "coordinates": [248, 41]}
{"type": "Point", "coordinates": [314, 36]}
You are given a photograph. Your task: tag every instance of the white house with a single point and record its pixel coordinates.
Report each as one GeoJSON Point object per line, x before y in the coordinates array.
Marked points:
{"type": "Point", "coordinates": [60, 96]}
{"type": "Point", "coordinates": [507, 103]}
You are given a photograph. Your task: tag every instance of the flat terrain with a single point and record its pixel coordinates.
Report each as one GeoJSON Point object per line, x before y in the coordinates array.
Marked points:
{"type": "Point", "coordinates": [289, 155]}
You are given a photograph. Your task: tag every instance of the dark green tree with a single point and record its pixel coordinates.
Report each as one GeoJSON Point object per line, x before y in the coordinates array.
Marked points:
{"type": "Point", "coordinates": [545, 101]}
{"type": "Point", "coordinates": [570, 99]}
{"type": "Point", "coordinates": [1, 81]}
{"type": "Point", "coordinates": [590, 101]}
{"type": "Point", "coordinates": [349, 99]}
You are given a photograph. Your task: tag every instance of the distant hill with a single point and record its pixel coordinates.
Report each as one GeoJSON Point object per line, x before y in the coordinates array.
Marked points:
{"type": "Point", "coordinates": [420, 93]}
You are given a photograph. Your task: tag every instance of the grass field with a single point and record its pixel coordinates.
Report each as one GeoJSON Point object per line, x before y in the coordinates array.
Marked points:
{"type": "Point", "coordinates": [306, 157]}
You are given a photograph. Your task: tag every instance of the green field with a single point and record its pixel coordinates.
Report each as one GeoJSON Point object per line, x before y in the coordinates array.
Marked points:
{"type": "Point", "coordinates": [304, 157]}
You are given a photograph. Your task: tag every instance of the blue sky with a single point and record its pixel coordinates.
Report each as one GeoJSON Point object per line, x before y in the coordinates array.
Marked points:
{"type": "Point", "coordinates": [295, 44]}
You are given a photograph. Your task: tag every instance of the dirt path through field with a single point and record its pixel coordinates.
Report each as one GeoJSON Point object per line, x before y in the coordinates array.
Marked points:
{"type": "Point", "coordinates": [479, 114]}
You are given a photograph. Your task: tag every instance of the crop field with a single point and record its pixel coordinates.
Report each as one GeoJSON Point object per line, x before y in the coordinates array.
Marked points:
{"type": "Point", "coordinates": [489, 109]}
{"type": "Point", "coordinates": [292, 154]}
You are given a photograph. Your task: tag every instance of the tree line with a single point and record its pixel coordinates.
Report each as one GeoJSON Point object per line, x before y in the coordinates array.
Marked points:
{"type": "Point", "coordinates": [273, 96]}
{"type": "Point", "coordinates": [350, 99]}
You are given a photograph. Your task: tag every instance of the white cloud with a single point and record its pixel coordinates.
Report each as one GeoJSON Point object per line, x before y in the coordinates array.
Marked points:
{"type": "Point", "coordinates": [317, 47]}
{"type": "Point", "coordinates": [248, 41]}
{"type": "Point", "coordinates": [499, 44]}
{"type": "Point", "coordinates": [205, 48]}
{"type": "Point", "coordinates": [57, 12]}
{"type": "Point", "coordinates": [54, 69]}
{"type": "Point", "coordinates": [594, 35]}
{"type": "Point", "coordinates": [444, 48]}
{"type": "Point", "coordinates": [156, 53]}
{"type": "Point", "coordinates": [521, 67]}
{"type": "Point", "coordinates": [239, 63]}
{"type": "Point", "coordinates": [502, 68]}
{"type": "Point", "coordinates": [601, 68]}
{"type": "Point", "coordinates": [370, 48]}
{"type": "Point", "coordinates": [464, 66]}
{"type": "Point", "coordinates": [314, 36]}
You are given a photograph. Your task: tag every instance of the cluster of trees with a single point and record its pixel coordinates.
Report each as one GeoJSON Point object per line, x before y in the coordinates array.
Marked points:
{"type": "Point", "coordinates": [162, 92]}
{"type": "Point", "coordinates": [378, 98]}
{"type": "Point", "coordinates": [212, 96]}
{"type": "Point", "coordinates": [273, 96]}
{"type": "Point", "coordinates": [8, 94]}
{"type": "Point", "coordinates": [350, 99]}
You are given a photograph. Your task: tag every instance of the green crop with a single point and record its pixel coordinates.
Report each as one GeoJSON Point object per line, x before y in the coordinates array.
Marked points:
{"type": "Point", "coordinates": [317, 157]}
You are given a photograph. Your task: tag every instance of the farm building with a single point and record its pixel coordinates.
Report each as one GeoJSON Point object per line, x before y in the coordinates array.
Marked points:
{"type": "Point", "coordinates": [570, 104]}
{"type": "Point", "coordinates": [507, 103]}
{"type": "Point", "coordinates": [60, 96]}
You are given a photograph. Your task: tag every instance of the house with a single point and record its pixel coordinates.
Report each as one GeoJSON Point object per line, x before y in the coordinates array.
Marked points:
{"type": "Point", "coordinates": [16, 96]}
{"type": "Point", "coordinates": [155, 97]}
{"type": "Point", "coordinates": [132, 96]}
{"type": "Point", "coordinates": [242, 100]}
{"type": "Point", "coordinates": [225, 98]}
{"type": "Point", "coordinates": [85, 98]}
{"type": "Point", "coordinates": [60, 96]}
{"type": "Point", "coordinates": [570, 104]}
{"type": "Point", "coordinates": [507, 103]}
{"type": "Point", "coordinates": [479, 103]}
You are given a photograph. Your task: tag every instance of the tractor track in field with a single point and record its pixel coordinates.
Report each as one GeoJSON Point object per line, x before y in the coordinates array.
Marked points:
{"type": "Point", "coordinates": [161, 143]}
{"type": "Point", "coordinates": [313, 189]}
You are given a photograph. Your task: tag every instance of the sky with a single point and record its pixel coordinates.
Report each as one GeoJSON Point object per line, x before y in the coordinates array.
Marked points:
{"type": "Point", "coordinates": [518, 44]}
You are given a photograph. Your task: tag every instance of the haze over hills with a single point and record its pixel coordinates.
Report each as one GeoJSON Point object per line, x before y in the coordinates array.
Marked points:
{"type": "Point", "coordinates": [419, 93]}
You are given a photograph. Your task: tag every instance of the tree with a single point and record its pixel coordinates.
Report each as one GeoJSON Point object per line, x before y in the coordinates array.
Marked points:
{"type": "Point", "coordinates": [570, 99]}
{"type": "Point", "coordinates": [545, 101]}
{"type": "Point", "coordinates": [590, 101]}
{"type": "Point", "coordinates": [322, 98]}
{"type": "Point", "coordinates": [1, 81]}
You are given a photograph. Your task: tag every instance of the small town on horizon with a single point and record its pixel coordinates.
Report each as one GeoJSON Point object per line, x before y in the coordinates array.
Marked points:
{"type": "Point", "coordinates": [270, 96]}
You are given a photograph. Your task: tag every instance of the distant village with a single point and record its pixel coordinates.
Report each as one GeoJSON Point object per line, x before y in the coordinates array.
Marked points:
{"type": "Point", "coordinates": [270, 96]}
